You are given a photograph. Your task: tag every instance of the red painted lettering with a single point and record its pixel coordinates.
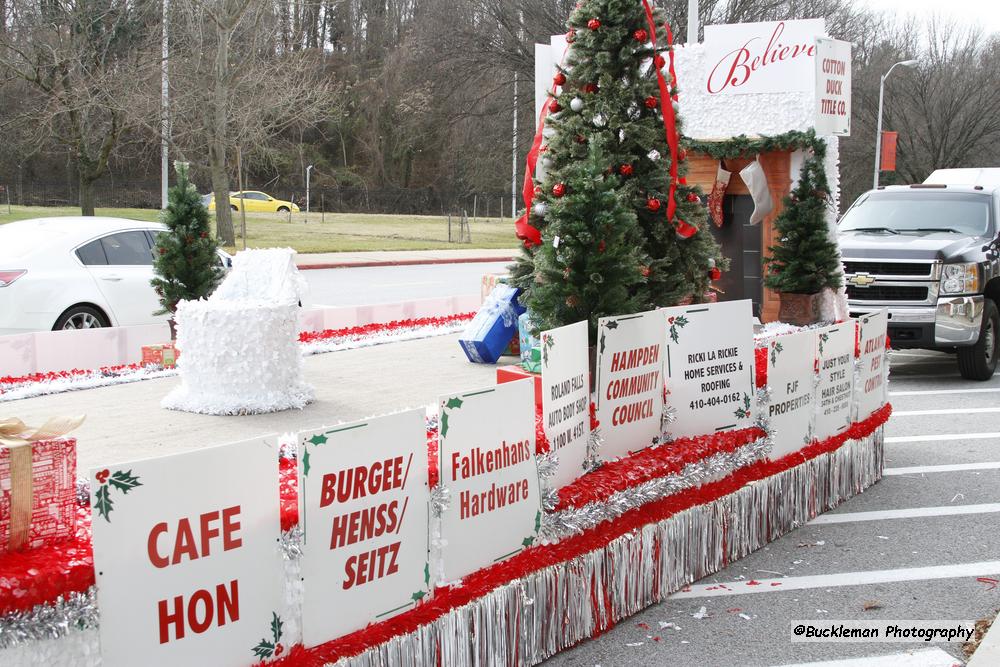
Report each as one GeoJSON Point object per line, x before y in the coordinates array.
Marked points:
{"type": "Point", "coordinates": [154, 554]}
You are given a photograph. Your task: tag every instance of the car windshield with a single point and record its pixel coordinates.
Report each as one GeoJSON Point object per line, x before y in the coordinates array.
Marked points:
{"type": "Point", "coordinates": [919, 211]}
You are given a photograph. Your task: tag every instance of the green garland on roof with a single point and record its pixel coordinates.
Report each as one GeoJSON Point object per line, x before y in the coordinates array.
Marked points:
{"type": "Point", "coordinates": [806, 260]}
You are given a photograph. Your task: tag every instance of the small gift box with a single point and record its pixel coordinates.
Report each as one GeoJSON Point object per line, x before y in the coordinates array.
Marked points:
{"type": "Point", "coordinates": [163, 355]}
{"type": "Point", "coordinates": [493, 327]}
{"type": "Point", "coordinates": [37, 483]}
{"type": "Point", "coordinates": [532, 362]}
{"type": "Point", "coordinates": [526, 340]}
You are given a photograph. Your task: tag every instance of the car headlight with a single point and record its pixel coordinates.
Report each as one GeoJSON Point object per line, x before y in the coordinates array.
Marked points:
{"type": "Point", "coordinates": [960, 278]}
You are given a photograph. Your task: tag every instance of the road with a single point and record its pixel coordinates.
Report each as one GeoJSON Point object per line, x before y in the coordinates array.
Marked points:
{"type": "Point", "coordinates": [389, 284]}
{"type": "Point", "coordinates": [942, 451]}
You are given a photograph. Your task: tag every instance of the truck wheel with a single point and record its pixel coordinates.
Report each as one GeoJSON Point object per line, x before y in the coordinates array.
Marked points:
{"type": "Point", "coordinates": [979, 361]}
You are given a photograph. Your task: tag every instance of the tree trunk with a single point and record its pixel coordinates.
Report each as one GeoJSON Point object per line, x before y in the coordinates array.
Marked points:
{"type": "Point", "coordinates": [86, 195]}
{"type": "Point", "coordinates": [220, 186]}
{"type": "Point", "coordinates": [217, 144]}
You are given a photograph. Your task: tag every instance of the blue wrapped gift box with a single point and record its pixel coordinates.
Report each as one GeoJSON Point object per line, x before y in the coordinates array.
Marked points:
{"type": "Point", "coordinates": [527, 341]}
{"type": "Point", "coordinates": [493, 327]}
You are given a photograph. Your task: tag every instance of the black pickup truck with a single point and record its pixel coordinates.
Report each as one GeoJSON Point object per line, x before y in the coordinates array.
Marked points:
{"type": "Point", "coordinates": [928, 254]}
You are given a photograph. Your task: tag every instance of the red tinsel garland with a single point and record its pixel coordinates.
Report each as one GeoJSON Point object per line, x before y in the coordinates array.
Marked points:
{"type": "Point", "coordinates": [760, 367]}
{"type": "Point", "coordinates": [8, 382]}
{"type": "Point", "coordinates": [534, 559]}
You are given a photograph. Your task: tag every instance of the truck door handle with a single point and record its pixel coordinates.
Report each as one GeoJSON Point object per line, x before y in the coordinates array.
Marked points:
{"type": "Point", "coordinates": [112, 278]}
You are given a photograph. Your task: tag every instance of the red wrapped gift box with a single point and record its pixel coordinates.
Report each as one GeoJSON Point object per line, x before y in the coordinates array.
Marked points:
{"type": "Point", "coordinates": [512, 373]}
{"type": "Point", "coordinates": [163, 355]}
{"type": "Point", "coordinates": [37, 493]}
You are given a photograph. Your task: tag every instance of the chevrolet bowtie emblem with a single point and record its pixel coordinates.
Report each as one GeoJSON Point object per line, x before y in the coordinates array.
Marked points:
{"type": "Point", "coordinates": [862, 280]}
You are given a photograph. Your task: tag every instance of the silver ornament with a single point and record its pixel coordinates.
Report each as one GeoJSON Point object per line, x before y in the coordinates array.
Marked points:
{"type": "Point", "coordinates": [711, 263]}
{"type": "Point", "coordinates": [576, 104]}
{"type": "Point", "coordinates": [540, 209]}
{"type": "Point", "coordinates": [547, 162]}
{"type": "Point", "coordinates": [599, 121]}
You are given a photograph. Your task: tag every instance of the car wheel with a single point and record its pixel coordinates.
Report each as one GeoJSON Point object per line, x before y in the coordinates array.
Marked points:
{"type": "Point", "coordinates": [235, 208]}
{"type": "Point", "coordinates": [980, 361]}
{"type": "Point", "coordinates": [81, 317]}
{"type": "Point", "coordinates": [282, 209]}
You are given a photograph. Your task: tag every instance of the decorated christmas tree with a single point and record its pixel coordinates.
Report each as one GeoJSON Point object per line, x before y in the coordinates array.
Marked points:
{"type": "Point", "coordinates": [615, 89]}
{"type": "Point", "coordinates": [806, 259]}
{"type": "Point", "coordinates": [186, 263]}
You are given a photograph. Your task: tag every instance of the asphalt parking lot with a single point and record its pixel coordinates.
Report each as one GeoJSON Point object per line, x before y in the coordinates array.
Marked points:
{"type": "Point", "coordinates": [924, 543]}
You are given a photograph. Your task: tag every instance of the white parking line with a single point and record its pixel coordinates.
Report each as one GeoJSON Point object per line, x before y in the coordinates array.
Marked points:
{"type": "Point", "coordinates": [930, 657]}
{"type": "Point", "coordinates": [946, 411]}
{"type": "Point", "coordinates": [908, 513]}
{"type": "Point", "coordinates": [942, 437]}
{"type": "Point", "coordinates": [953, 467]}
{"type": "Point", "coordinates": [934, 392]}
{"type": "Point", "coordinates": [744, 587]}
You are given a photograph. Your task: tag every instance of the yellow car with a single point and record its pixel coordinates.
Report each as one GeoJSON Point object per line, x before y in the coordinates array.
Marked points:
{"type": "Point", "coordinates": [255, 202]}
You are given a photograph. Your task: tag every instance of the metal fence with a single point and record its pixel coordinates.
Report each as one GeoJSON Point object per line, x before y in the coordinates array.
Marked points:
{"type": "Point", "coordinates": [402, 201]}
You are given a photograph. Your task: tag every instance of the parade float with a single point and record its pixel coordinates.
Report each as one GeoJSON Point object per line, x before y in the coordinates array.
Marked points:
{"type": "Point", "coordinates": [637, 449]}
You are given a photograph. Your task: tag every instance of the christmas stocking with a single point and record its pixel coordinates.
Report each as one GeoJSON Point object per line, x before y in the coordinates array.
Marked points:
{"type": "Point", "coordinates": [753, 176]}
{"type": "Point", "coordinates": [718, 192]}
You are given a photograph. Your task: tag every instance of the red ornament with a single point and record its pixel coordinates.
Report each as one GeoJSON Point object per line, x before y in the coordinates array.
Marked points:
{"type": "Point", "coordinates": [204, 235]}
{"type": "Point", "coordinates": [538, 190]}
{"type": "Point", "coordinates": [625, 170]}
{"type": "Point", "coordinates": [559, 189]}
{"type": "Point", "coordinates": [641, 35]}
{"type": "Point", "coordinates": [684, 229]}
{"type": "Point", "coordinates": [682, 155]}
{"type": "Point", "coordinates": [692, 197]}
{"type": "Point", "coordinates": [572, 301]}
{"type": "Point", "coordinates": [590, 88]}
{"type": "Point", "coordinates": [580, 139]}
{"type": "Point", "coordinates": [714, 273]}
{"type": "Point", "coordinates": [593, 24]}
{"type": "Point", "coordinates": [644, 270]}
{"type": "Point", "coordinates": [571, 36]}
{"type": "Point", "coordinates": [554, 107]}
{"type": "Point", "coordinates": [559, 79]}
{"type": "Point", "coordinates": [163, 251]}
{"type": "Point", "coordinates": [659, 61]}
{"type": "Point", "coordinates": [682, 180]}
{"type": "Point", "coordinates": [601, 246]}
{"type": "Point", "coordinates": [653, 204]}
{"type": "Point", "coordinates": [652, 102]}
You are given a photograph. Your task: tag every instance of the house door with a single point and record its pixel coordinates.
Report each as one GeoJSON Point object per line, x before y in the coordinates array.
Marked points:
{"type": "Point", "coordinates": [741, 243]}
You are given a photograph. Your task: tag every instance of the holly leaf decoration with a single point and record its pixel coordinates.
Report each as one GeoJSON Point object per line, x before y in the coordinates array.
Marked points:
{"type": "Point", "coordinates": [776, 349]}
{"type": "Point", "coordinates": [103, 502]}
{"type": "Point", "coordinates": [538, 521]}
{"type": "Point", "coordinates": [276, 627]}
{"type": "Point", "coordinates": [528, 541]}
{"type": "Point", "coordinates": [613, 324]}
{"type": "Point", "coordinates": [264, 649]}
{"type": "Point", "coordinates": [418, 596]}
{"type": "Point", "coordinates": [318, 439]}
{"type": "Point", "coordinates": [124, 481]}
{"type": "Point", "coordinates": [602, 341]}
{"type": "Point", "coordinates": [454, 402]}
{"type": "Point", "coordinates": [305, 461]}
{"type": "Point", "coordinates": [427, 574]}
{"type": "Point", "coordinates": [444, 424]}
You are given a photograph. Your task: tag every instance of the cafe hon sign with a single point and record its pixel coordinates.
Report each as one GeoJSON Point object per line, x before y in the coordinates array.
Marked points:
{"type": "Point", "coordinates": [774, 57]}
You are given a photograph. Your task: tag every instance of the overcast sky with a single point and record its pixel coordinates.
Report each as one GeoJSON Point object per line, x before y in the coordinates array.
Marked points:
{"type": "Point", "coordinates": [983, 12]}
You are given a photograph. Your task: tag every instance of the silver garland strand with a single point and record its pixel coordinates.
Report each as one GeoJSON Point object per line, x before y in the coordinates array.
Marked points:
{"type": "Point", "coordinates": [440, 500]}
{"type": "Point", "coordinates": [82, 491]}
{"type": "Point", "coordinates": [292, 541]}
{"type": "Point", "coordinates": [72, 612]}
{"type": "Point", "coordinates": [594, 442]}
{"type": "Point", "coordinates": [764, 395]}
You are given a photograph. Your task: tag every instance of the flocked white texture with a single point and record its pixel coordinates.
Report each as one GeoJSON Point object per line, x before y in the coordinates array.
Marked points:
{"type": "Point", "coordinates": [268, 274]}
{"type": "Point", "coordinates": [238, 357]}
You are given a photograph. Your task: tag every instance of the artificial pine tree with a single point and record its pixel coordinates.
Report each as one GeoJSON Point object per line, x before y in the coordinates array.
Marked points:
{"type": "Point", "coordinates": [186, 263]}
{"type": "Point", "coordinates": [806, 260]}
{"type": "Point", "coordinates": [607, 92]}
{"type": "Point", "coordinates": [590, 263]}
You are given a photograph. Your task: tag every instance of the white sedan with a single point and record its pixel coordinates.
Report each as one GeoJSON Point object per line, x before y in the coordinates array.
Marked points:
{"type": "Point", "coordinates": [77, 273]}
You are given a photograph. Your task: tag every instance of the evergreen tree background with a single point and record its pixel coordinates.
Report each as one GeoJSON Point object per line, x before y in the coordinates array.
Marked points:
{"type": "Point", "coordinates": [806, 260]}
{"type": "Point", "coordinates": [185, 262]}
{"type": "Point", "coordinates": [610, 70]}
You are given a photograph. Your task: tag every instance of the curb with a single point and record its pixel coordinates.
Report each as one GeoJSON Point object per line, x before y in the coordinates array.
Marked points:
{"type": "Point", "coordinates": [988, 652]}
{"type": "Point", "coordinates": [404, 262]}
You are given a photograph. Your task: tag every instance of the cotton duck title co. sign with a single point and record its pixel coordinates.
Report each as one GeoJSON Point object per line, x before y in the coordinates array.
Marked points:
{"type": "Point", "coordinates": [774, 57]}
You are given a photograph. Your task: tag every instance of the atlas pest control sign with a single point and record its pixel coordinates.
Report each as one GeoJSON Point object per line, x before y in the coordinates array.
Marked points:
{"type": "Point", "coordinates": [873, 366]}
{"type": "Point", "coordinates": [629, 399]}
{"type": "Point", "coordinates": [566, 398]}
{"type": "Point", "coordinates": [833, 87]}
{"type": "Point", "coordinates": [791, 373]}
{"type": "Point", "coordinates": [772, 57]}
{"type": "Point", "coordinates": [835, 347]}
{"type": "Point", "coordinates": [186, 556]}
{"type": "Point", "coordinates": [709, 367]}
{"type": "Point", "coordinates": [364, 504]}
{"type": "Point", "coordinates": [487, 464]}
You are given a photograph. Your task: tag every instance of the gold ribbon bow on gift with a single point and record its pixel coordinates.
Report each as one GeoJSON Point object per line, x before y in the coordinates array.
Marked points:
{"type": "Point", "coordinates": [18, 437]}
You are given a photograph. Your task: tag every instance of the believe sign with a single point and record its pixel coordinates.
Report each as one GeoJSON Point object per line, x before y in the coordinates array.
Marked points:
{"type": "Point", "coordinates": [186, 557]}
{"type": "Point", "coordinates": [835, 347]}
{"type": "Point", "coordinates": [363, 501]}
{"type": "Point", "coordinates": [873, 367]}
{"type": "Point", "coordinates": [487, 462]}
{"type": "Point", "coordinates": [833, 87]}
{"type": "Point", "coordinates": [629, 382]}
{"type": "Point", "coordinates": [774, 57]}
{"type": "Point", "coordinates": [566, 399]}
{"type": "Point", "coordinates": [791, 371]}
{"type": "Point", "coordinates": [709, 367]}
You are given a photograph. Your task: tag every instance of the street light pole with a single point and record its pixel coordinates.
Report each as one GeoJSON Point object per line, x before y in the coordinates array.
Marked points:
{"type": "Point", "coordinates": [878, 131]}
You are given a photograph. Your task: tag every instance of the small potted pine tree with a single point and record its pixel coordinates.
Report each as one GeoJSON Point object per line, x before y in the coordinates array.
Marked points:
{"type": "Point", "coordinates": [804, 267]}
{"type": "Point", "coordinates": [186, 261]}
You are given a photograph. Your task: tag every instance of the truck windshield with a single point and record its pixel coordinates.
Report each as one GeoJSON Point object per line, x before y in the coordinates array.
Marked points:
{"type": "Point", "coordinates": [919, 211]}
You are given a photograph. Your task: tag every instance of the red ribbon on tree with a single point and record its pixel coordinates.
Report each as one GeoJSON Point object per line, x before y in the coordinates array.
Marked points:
{"type": "Point", "coordinates": [525, 231]}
